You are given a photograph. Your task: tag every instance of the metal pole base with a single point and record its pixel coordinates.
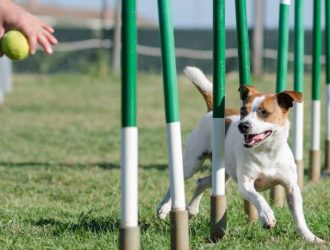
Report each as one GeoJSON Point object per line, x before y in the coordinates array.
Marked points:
{"type": "Point", "coordinates": [179, 230]}
{"type": "Point", "coordinates": [300, 173]}
{"type": "Point", "coordinates": [277, 196]}
{"type": "Point", "coordinates": [327, 158]}
{"type": "Point", "coordinates": [250, 211]}
{"type": "Point", "coordinates": [314, 165]}
{"type": "Point", "coordinates": [129, 238]}
{"type": "Point", "coordinates": [218, 217]}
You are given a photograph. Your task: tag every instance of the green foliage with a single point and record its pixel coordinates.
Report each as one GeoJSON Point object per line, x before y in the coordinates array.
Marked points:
{"type": "Point", "coordinates": [59, 165]}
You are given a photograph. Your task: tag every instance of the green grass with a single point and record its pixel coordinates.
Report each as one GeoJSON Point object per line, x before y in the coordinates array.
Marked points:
{"type": "Point", "coordinates": [59, 169]}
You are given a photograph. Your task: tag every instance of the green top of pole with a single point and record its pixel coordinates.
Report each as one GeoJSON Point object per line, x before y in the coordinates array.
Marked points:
{"type": "Point", "coordinates": [327, 40]}
{"type": "Point", "coordinates": [129, 63]}
{"type": "Point", "coordinates": [317, 47]}
{"type": "Point", "coordinates": [168, 61]}
{"type": "Point", "coordinates": [283, 47]}
{"type": "Point", "coordinates": [299, 47]}
{"type": "Point", "coordinates": [243, 43]}
{"type": "Point", "coordinates": [219, 58]}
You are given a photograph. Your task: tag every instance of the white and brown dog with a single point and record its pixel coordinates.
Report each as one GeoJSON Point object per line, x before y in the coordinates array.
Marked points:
{"type": "Point", "coordinates": [257, 154]}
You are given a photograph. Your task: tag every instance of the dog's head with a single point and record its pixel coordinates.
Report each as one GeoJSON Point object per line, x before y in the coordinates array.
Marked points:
{"type": "Point", "coordinates": [264, 115]}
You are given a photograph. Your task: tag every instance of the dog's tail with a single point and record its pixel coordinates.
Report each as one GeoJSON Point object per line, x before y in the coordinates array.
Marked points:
{"type": "Point", "coordinates": [204, 86]}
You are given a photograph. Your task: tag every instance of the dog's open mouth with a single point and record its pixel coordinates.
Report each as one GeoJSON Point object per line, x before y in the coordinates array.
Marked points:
{"type": "Point", "coordinates": [254, 139]}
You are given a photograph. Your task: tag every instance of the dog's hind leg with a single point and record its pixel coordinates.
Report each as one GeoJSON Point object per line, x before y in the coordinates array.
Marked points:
{"type": "Point", "coordinates": [190, 167]}
{"type": "Point", "coordinates": [201, 185]}
{"type": "Point", "coordinates": [164, 206]}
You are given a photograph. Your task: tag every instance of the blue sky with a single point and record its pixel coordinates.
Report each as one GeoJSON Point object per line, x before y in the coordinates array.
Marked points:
{"type": "Point", "coordinates": [198, 13]}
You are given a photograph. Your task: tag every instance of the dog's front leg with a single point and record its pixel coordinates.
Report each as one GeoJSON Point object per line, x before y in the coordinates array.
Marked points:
{"type": "Point", "coordinates": [247, 190]}
{"type": "Point", "coordinates": [295, 203]}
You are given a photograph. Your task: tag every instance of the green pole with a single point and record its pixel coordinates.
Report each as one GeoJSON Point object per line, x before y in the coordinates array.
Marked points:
{"type": "Point", "coordinates": [129, 63]}
{"type": "Point", "coordinates": [298, 109]}
{"type": "Point", "coordinates": [219, 58]}
{"type": "Point", "coordinates": [178, 214]}
{"type": "Point", "coordinates": [314, 164]}
{"type": "Point", "coordinates": [218, 198]}
{"type": "Point", "coordinates": [327, 47]}
{"type": "Point", "coordinates": [283, 46]}
{"type": "Point", "coordinates": [129, 235]}
{"type": "Point", "coordinates": [317, 49]}
{"type": "Point", "coordinates": [243, 43]}
{"type": "Point", "coordinates": [168, 61]}
{"type": "Point", "coordinates": [299, 47]}
{"type": "Point", "coordinates": [244, 68]}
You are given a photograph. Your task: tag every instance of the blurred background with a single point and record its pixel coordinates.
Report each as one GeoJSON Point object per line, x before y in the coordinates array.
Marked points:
{"type": "Point", "coordinates": [89, 35]}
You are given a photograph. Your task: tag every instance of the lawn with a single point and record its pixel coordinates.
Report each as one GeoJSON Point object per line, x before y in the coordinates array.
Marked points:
{"type": "Point", "coordinates": [59, 165]}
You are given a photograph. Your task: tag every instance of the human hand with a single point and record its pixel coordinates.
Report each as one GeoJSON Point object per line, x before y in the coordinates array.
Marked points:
{"type": "Point", "coordinates": [13, 16]}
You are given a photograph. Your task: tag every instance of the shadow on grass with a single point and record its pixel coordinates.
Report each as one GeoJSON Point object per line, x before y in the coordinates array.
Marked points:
{"type": "Point", "coordinates": [102, 165]}
{"type": "Point", "coordinates": [87, 223]}
{"type": "Point", "coordinates": [94, 225]}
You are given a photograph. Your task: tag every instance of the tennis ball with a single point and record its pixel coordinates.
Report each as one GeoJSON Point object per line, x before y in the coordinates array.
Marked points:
{"type": "Point", "coordinates": [15, 45]}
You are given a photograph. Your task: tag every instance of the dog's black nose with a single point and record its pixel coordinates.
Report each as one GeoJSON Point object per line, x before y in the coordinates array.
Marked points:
{"type": "Point", "coordinates": [244, 127]}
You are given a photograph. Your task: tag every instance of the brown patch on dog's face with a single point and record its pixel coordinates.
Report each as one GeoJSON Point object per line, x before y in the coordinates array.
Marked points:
{"type": "Point", "coordinates": [270, 111]}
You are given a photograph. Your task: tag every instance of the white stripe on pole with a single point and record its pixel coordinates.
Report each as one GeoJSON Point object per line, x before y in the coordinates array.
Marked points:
{"type": "Point", "coordinates": [298, 131]}
{"type": "Point", "coordinates": [316, 119]}
{"type": "Point", "coordinates": [218, 157]}
{"type": "Point", "coordinates": [174, 149]}
{"type": "Point", "coordinates": [328, 110]}
{"type": "Point", "coordinates": [285, 2]}
{"type": "Point", "coordinates": [129, 177]}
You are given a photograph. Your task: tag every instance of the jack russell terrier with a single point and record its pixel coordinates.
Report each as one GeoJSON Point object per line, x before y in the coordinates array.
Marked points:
{"type": "Point", "coordinates": [257, 154]}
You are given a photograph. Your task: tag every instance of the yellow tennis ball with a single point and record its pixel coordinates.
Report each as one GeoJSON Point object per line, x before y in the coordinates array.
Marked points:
{"type": "Point", "coordinates": [15, 45]}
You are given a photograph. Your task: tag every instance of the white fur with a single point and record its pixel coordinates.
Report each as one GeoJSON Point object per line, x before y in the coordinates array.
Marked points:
{"type": "Point", "coordinates": [254, 169]}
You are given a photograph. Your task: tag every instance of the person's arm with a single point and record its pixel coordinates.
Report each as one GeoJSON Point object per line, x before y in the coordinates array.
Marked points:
{"type": "Point", "coordinates": [13, 16]}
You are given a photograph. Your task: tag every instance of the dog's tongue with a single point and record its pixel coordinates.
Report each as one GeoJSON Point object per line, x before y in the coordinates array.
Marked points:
{"type": "Point", "coordinates": [252, 139]}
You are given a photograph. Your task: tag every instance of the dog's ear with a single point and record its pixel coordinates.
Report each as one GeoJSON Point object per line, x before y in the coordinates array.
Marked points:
{"type": "Point", "coordinates": [285, 99]}
{"type": "Point", "coordinates": [246, 91]}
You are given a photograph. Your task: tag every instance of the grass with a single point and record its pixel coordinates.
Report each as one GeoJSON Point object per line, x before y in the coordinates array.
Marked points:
{"type": "Point", "coordinates": [59, 169]}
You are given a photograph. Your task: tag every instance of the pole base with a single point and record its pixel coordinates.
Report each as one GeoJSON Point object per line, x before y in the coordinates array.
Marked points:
{"type": "Point", "coordinates": [218, 217]}
{"type": "Point", "coordinates": [277, 196]}
{"type": "Point", "coordinates": [300, 173]}
{"type": "Point", "coordinates": [314, 165]}
{"type": "Point", "coordinates": [129, 238]}
{"type": "Point", "coordinates": [250, 211]}
{"type": "Point", "coordinates": [326, 169]}
{"type": "Point", "coordinates": [179, 230]}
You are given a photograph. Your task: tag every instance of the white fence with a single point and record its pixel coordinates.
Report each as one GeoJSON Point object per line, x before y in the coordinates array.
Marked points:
{"type": "Point", "coordinates": [155, 51]}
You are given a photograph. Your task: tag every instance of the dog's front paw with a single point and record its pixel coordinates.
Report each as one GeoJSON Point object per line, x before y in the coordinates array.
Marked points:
{"type": "Point", "coordinates": [309, 236]}
{"type": "Point", "coordinates": [267, 218]}
{"type": "Point", "coordinates": [320, 241]}
{"type": "Point", "coordinates": [163, 211]}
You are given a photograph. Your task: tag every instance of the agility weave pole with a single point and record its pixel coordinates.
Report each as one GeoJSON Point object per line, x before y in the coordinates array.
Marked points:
{"type": "Point", "coordinates": [129, 237]}
{"type": "Point", "coordinates": [327, 56]}
{"type": "Point", "coordinates": [314, 163]}
{"type": "Point", "coordinates": [218, 197]}
{"type": "Point", "coordinates": [298, 108]}
{"type": "Point", "coordinates": [244, 70]}
{"type": "Point", "coordinates": [178, 214]}
{"type": "Point", "coordinates": [277, 192]}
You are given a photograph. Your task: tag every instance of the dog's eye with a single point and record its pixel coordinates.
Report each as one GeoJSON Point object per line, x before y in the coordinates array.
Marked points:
{"type": "Point", "coordinates": [243, 111]}
{"type": "Point", "coordinates": [263, 113]}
